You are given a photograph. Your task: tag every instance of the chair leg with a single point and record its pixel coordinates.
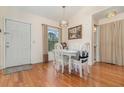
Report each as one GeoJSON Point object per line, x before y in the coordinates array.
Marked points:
{"type": "Point", "coordinates": [85, 69]}
{"type": "Point", "coordinates": [70, 67]}
{"type": "Point", "coordinates": [80, 67]}
{"type": "Point", "coordinates": [76, 68]}
{"type": "Point", "coordinates": [62, 67]}
{"type": "Point", "coordinates": [58, 67]}
{"type": "Point", "coordinates": [88, 70]}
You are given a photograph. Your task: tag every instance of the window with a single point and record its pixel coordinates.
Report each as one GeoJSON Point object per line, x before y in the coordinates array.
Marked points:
{"type": "Point", "coordinates": [53, 37]}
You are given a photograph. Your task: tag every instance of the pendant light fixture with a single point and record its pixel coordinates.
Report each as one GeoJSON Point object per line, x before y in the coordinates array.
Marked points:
{"type": "Point", "coordinates": [111, 14]}
{"type": "Point", "coordinates": [63, 23]}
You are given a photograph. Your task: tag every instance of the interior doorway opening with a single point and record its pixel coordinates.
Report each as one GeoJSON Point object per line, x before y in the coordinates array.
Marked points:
{"type": "Point", "coordinates": [108, 37]}
{"type": "Point", "coordinates": [96, 31]}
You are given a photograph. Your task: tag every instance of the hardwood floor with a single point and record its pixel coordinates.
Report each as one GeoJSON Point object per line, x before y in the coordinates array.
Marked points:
{"type": "Point", "coordinates": [45, 75]}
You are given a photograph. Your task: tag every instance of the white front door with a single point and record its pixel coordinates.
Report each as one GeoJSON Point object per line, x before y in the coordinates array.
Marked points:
{"type": "Point", "coordinates": [17, 43]}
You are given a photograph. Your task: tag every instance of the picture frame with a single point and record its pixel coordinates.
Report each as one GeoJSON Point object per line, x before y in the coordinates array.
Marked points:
{"type": "Point", "coordinates": [75, 32]}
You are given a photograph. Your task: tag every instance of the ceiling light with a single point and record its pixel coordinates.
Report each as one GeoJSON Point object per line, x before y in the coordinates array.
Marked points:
{"type": "Point", "coordinates": [111, 14]}
{"type": "Point", "coordinates": [63, 23]}
{"type": "Point", "coordinates": [94, 28]}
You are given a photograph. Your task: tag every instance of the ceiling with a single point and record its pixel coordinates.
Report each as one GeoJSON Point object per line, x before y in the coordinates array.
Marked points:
{"type": "Point", "coordinates": [51, 12]}
{"type": "Point", "coordinates": [56, 12]}
{"type": "Point", "coordinates": [103, 14]}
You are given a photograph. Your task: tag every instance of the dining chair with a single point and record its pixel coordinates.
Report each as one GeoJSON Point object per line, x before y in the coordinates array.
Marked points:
{"type": "Point", "coordinates": [81, 62]}
{"type": "Point", "coordinates": [58, 57]}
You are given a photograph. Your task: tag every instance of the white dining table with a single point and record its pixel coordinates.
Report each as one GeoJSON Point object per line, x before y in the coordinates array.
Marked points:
{"type": "Point", "coordinates": [70, 54]}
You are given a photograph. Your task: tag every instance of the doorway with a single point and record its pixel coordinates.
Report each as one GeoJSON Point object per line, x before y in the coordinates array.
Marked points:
{"type": "Point", "coordinates": [96, 45]}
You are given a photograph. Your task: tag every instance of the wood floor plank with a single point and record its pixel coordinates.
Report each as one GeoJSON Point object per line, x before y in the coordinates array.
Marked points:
{"type": "Point", "coordinates": [45, 75]}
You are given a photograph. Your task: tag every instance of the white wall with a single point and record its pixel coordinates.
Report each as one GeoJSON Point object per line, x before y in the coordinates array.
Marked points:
{"type": "Point", "coordinates": [84, 17]}
{"type": "Point", "coordinates": [36, 29]}
{"type": "Point", "coordinates": [64, 34]}
{"type": "Point", "coordinates": [108, 20]}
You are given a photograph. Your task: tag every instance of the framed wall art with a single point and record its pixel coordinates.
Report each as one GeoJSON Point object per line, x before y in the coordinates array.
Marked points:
{"type": "Point", "coordinates": [75, 32]}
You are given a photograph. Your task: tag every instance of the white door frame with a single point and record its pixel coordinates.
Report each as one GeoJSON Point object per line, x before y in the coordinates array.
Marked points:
{"type": "Point", "coordinates": [3, 38]}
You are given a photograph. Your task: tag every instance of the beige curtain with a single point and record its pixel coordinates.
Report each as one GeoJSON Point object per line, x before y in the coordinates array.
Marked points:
{"type": "Point", "coordinates": [45, 42]}
{"type": "Point", "coordinates": [111, 42]}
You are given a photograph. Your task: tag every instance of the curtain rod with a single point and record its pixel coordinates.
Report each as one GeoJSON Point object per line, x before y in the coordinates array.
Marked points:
{"type": "Point", "coordinates": [52, 26]}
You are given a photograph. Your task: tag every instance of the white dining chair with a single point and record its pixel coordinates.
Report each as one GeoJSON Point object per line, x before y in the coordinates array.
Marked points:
{"type": "Point", "coordinates": [82, 62]}
{"type": "Point", "coordinates": [58, 57]}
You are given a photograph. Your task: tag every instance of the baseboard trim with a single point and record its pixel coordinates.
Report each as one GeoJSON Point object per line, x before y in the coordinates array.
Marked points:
{"type": "Point", "coordinates": [36, 62]}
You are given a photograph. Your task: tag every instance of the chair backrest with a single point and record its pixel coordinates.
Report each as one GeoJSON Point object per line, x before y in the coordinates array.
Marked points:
{"type": "Point", "coordinates": [58, 54]}
{"type": "Point", "coordinates": [85, 47]}
{"type": "Point", "coordinates": [58, 46]}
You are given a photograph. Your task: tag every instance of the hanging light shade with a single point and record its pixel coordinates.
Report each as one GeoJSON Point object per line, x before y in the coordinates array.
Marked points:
{"type": "Point", "coordinates": [63, 23]}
